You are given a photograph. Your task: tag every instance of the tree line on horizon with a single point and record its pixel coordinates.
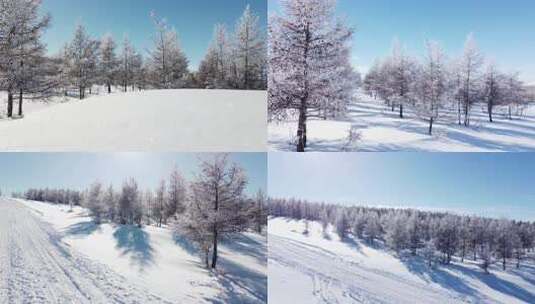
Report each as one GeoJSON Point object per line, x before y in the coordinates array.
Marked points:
{"type": "Point", "coordinates": [209, 208]}
{"type": "Point", "coordinates": [234, 60]}
{"type": "Point", "coordinates": [435, 236]}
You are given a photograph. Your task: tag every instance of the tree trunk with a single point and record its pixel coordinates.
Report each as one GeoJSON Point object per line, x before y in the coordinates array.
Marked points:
{"type": "Point", "coordinates": [510, 116]}
{"type": "Point", "coordinates": [431, 126]}
{"type": "Point", "coordinates": [109, 88]}
{"type": "Point", "coordinates": [20, 103]}
{"type": "Point", "coordinates": [301, 132]}
{"type": "Point", "coordinates": [214, 253]}
{"type": "Point", "coordinates": [503, 263]}
{"type": "Point", "coordinates": [401, 111]}
{"type": "Point", "coordinates": [490, 111]}
{"type": "Point", "coordinates": [459, 112]}
{"type": "Point", "coordinates": [81, 93]}
{"type": "Point", "coordinates": [9, 103]}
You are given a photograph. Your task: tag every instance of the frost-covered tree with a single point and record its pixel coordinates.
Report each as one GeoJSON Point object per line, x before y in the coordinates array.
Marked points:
{"type": "Point", "coordinates": [108, 61]}
{"type": "Point", "coordinates": [250, 51]}
{"type": "Point", "coordinates": [486, 257]}
{"type": "Point", "coordinates": [310, 74]}
{"type": "Point", "coordinates": [469, 70]}
{"type": "Point", "coordinates": [341, 224]}
{"type": "Point", "coordinates": [402, 76]}
{"type": "Point", "coordinates": [504, 241]}
{"type": "Point", "coordinates": [176, 195]}
{"type": "Point", "coordinates": [22, 63]}
{"type": "Point", "coordinates": [396, 233]}
{"type": "Point", "coordinates": [82, 56]}
{"type": "Point", "coordinates": [109, 198]}
{"type": "Point", "coordinates": [216, 196]}
{"type": "Point", "coordinates": [94, 202]}
{"type": "Point", "coordinates": [168, 62]}
{"type": "Point", "coordinates": [372, 228]}
{"type": "Point", "coordinates": [446, 237]}
{"type": "Point", "coordinates": [129, 202]}
{"type": "Point", "coordinates": [432, 85]}
{"type": "Point", "coordinates": [160, 201]}
{"type": "Point", "coordinates": [128, 64]}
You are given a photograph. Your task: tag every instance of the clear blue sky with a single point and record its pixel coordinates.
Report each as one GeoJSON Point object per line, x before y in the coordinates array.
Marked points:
{"type": "Point", "coordinates": [490, 184]}
{"type": "Point", "coordinates": [504, 30]}
{"type": "Point", "coordinates": [20, 171]}
{"type": "Point", "coordinates": [193, 19]}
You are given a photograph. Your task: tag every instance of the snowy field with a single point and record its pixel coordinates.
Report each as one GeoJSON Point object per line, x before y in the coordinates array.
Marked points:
{"type": "Point", "coordinates": [51, 255]}
{"type": "Point", "coordinates": [154, 120]}
{"type": "Point", "coordinates": [382, 130]}
{"type": "Point", "coordinates": [314, 269]}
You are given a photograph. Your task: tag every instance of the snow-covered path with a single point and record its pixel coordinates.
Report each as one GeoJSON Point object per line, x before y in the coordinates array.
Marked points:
{"type": "Point", "coordinates": [37, 267]}
{"type": "Point", "coordinates": [314, 268]}
{"type": "Point", "coordinates": [154, 121]}
{"type": "Point", "coordinates": [338, 280]}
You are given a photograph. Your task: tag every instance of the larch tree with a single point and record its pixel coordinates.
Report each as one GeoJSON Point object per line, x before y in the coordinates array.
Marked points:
{"type": "Point", "coordinates": [308, 60]}
{"type": "Point", "coordinates": [470, 76]}
{"type": "Point", "coordinates": [216, 195]}
{"type": "Point", "coordinates": [21, 50]}
{"type": "Point", "coordinates": [168, 62]}
{"type": "Point", "coordinates": [176, 194]}
{"type": "Point", "coordinates": [401, 77]}
{"type": "Point", "coordinates": [250, 51]}
{"type": "Point", "coordinates": [108, 61]}
{"type": "Point", "coordinates": [432, 85]}
{"type": "Point", "coordinates": [82, 56]}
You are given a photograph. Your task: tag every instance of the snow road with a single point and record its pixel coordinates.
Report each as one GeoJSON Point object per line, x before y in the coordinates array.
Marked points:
{"type": "Point", "coordinates": [37, 267]}
{"type": "Point", "coordinates": [154, 120]}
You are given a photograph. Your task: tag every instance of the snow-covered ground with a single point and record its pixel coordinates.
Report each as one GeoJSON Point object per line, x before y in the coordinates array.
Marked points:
{"type": "Point", "coordinates": [382, 130]}
{"type": "Point", "coordinates": [314, 269]}
{"type": "Point", "coordinates": [154, 120]}
{"type": "Point", "coordinates": [51, 255]}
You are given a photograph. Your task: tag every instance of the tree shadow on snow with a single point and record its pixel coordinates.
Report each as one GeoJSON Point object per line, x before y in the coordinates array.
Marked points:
{"type": "Point", "coordinates": [243, 244]}
{"type": "Point", "coordinates": [82, 229]}
{"type": "Point", "coordinates": [135, 242]}
{"type": "Point", "coordinates": [240, 284]}
{"type": "Point", "coordinates": [185, 244]}
{"type": "Point", "coordinates": [453, 282]}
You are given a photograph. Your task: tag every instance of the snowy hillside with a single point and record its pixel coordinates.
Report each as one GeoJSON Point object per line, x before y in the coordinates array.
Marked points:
{"type": "Point", "coordinates": [155, 120]}
{"type": "Point", "coordinates": [51, 255]}
{"type": "Point", "coordinates": [383, 130]}
{"type": "Point", "coordinates": [319, 269]}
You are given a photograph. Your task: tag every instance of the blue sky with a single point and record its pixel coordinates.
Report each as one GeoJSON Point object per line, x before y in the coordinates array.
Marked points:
{"type": "Point", "coordinates": [77, 170]}
{"type": "Point", "coordinates": [193, 20]}
{"type": "Point", "coordinates": [489, 184]}
{"type": "Point", "coordinates": [504, 30]}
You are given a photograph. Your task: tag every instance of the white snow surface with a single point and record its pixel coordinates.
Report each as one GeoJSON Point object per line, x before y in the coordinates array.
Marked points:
{"type": "Point", "coordinates": [154, 120]}
{"type": "Point", "coordinates": [314, 269]}
{"type": "Point", "coordinates": [49, 254]}
{"type": "Point", "coordinates": [381, 130]}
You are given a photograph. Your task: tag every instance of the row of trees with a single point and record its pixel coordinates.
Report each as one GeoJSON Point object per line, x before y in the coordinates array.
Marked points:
{"type": "Point", "coordinates": [236, 61]}
{"type": "Point", "coordinates": [420, 232]}
{"type": "Point", "coordinates": [310, 73]}
{"type": "Point", "coordinates": [435, 86]}
{"type": "Point", "coordinates": [205, 210]}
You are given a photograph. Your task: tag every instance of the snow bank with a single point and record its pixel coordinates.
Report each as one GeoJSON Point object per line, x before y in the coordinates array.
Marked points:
{"type": "Point", "coordinates": [156, 120]}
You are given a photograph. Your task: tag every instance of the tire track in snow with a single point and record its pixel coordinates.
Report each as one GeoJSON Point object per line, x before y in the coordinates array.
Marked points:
{"type": "Point", "coordinates": [36, 267]}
